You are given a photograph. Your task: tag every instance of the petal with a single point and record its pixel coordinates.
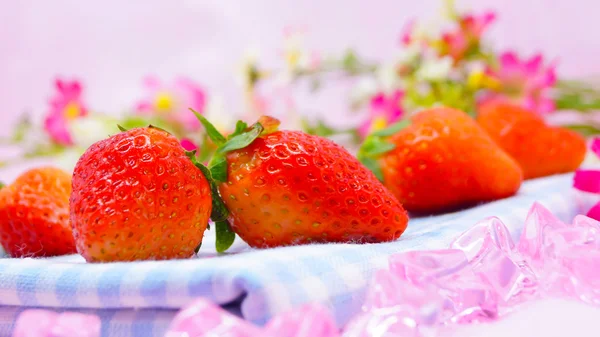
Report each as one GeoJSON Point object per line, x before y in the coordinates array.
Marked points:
{"type": "Point", "coordinates": [528, 102]}
{"type": "Point", "coordinates": [549, 77]}
{"type": "Point", "coordinates": [407, 32]}
{"type": "Point", "coordinates": [395, 110]}
{"type": "Point", "coordinates": [152, 83]}
{"type": "Point", "coordinates": [73, 90]}
{"type": "Point", "coordinates": [56, 127]}
{"type": "Point", "coordinates": [365, 127]}
{"type": "Point", "coordinates": [545, 105]}
{"type": "Point", "coordinates": [489, 17]}
{"type": "Point", "coordinates": [378, 101]}
{"type": "Point", "coordinates": [509, 61]}
{"type": "Point", "coordinates": [596, 146]}
{"type": "Point", "coordinates": [188, 145]}
{"type": "Point", "coordinates": [59, 84]}
{"type": "Point", "coordinates": [143, 107]}
{"type": "Point", "coordinates": [533, 65]}
{"type": "Point", "coordinates": [594, 212]}
{"type": "Point", "coordinates": [587, 180]}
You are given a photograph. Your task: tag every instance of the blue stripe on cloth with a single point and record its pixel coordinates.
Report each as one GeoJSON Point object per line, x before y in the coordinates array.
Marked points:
{"type": "Point", "coordinates": [142, 325]}
{"type": "Point", "coordinates": [66, 286]}
{"type": "Point", "coordinates": [26, 286]}
{"type": "Point", "coordinates": [153, 289]}
{"type": "Point", "coordinates": [267, 281]}
{"type": "Point", "coordinates": [109, 285]}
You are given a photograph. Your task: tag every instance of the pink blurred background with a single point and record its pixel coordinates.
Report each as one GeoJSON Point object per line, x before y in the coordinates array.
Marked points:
{"type": "Point", "coordinates": [110, 45]}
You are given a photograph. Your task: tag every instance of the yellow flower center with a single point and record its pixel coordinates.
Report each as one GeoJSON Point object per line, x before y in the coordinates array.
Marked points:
{"type": "Point", "coordinates": [378, 123]}
{"type": "Point", "coordinates": [71, 111]}
{"type": "Point", "coordinates": [479, 79]}
{"type": "Point", "coordinates": [164, 102]}
{"type": "Point", "coordinates": [293, 58]}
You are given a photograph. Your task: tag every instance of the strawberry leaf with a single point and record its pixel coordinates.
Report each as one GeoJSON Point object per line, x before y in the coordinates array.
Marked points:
{"type": "Point", "coordinates": [240, 127]}
{"type": "Point", "coordinates": [225, 236]}
{"type": "Point", "coordinates": [122, 128]}
{"type": "Point", "coordinates": [157, 128]}
{"type": "Point", "coordinates": [374, 146]}
{"type": "Point", "coordinates": [242, 140]}
{"type": "Point", "coordinates": [218, 169]}
{"type": "Point", "coordinates": [585, 130]}
{"type": "Point", "coordinates": [212, 132]}
{"type": "Point", "coordinates": [373, 165]}
{"type": "Point", "coordinates": [392, 129]}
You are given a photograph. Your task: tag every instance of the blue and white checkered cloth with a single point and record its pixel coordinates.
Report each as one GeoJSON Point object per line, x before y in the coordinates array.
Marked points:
{"type": "Point", "coordinates": [139, 299]}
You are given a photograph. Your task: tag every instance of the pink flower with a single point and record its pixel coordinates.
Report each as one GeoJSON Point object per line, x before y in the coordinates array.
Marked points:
{"type": "Point", "coordinates": [464, 40]}
{"type": "Point", "coordinates": [188, 144]}
{"type": "Point", "coordinates": [65, 106]}
{"type": "Point", "coordinates": [384, 110]}
{"type": "Point", "coordinates": [525, 82]}
{"type": "Point", "coordinates": [407, 34]}
{"type": "Point", "coordinates": [589, 181]}
{"type": "Point", "coordinates": [474, 25]}
{"type": "Point", "coordinates": [172, 102]}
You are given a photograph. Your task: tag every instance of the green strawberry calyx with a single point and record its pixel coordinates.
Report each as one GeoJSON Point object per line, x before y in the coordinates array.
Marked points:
{"type": "Point", "coordinates": [216, 171]}
{"type": "Point", "coordinates": [1, 185]}
{"type": "Point", "coordinates": [376, 144]}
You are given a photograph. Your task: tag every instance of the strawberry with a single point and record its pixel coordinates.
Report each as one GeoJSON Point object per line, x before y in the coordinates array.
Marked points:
{"type": "Point", "coordinates": [541, 150]}
{"type": "Point", "coordinates": [34, 214]}
{"type": "Point", "coordinates": [137, 196]}
{"type": "Point", "coordinates": [440, 159]}
{"type": "Point", "coordinates": [282, 188]}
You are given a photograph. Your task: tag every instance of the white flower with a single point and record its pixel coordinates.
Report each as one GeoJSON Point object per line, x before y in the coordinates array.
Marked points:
{"type": "Point", "coordinates": [409, 54]}
{"type": "Point", "coordinates": [67, 159]}
{"type": "Point", "coordinates": [247, 68]}
{"type": "Point", "coordinates": [435, 69]}
{"type": "Point", "coordinates": [87, 130]}
{"type": "Point", "coordinates": [364, 89]}
{"type": "Point", "coordinates": [216, 114]}
{"type": "Point", "coordinates": [297, 56]}
{"type": "Point", "coordinates": [387, 78]}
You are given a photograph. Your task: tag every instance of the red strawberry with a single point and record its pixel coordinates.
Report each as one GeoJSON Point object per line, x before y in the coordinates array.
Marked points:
{"type": "Point", "coordinates": [440, 159]}
{"type": "Point", "coordinates": [288, 187]}
{"type": "Point", "coordinates": [541, 150]}
{"type": "Point", "coordinates": [34, 214]}
{"type": "Point", "coordinates": [137, 196]}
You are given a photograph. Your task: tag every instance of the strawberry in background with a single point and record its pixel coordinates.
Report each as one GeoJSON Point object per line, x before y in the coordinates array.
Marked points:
{"type": "Point", "coordinates": [440, 160]}
{"type": "Point", "coordinates": [541, 150]}
{"type": "Point", "coordinates": [34, 214]}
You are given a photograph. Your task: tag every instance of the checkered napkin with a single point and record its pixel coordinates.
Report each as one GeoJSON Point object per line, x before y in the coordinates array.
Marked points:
{"type": "Point", "coordinates": [139, 299]}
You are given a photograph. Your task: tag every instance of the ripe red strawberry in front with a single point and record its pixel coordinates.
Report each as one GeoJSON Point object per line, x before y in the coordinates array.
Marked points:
{"type": "Point", "coordinates": [137, 196]}
{"type": "Point", "coordinates": [288, 187]}
{"type": "Point", "coordinates": [34, 214]}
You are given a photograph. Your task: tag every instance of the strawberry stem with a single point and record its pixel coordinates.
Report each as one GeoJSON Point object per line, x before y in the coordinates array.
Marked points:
{"type": "Point", "coordinates": [216, 172]}
{"type": "Point", "coordinates": [219, 214]}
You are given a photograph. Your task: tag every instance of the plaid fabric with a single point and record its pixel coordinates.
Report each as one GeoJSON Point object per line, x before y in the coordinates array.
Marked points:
{"type": "Point", "coordinates": [139, 299]}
